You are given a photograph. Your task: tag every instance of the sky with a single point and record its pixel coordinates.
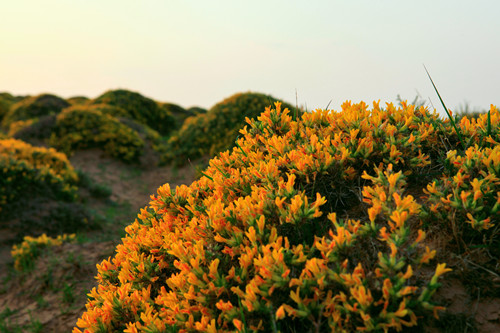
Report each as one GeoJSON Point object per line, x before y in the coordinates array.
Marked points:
{"type": "Point", "coordinates": [196, 53]}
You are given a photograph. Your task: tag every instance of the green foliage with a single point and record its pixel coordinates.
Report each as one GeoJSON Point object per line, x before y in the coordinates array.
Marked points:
{"type": "Point", "coordinates": [112, 110]}
{"type": "Point", "coordinates": [78, 100]}
{"type": "Point", "coordinates": [140, 108]}
{"type": "Point", "coordinates": [34, 107]}
{"type": "Point", "coordinates": [6, 100]}
{"type": "Point", "coordinates": [216, 130]}
{"type": "Point", "coordinates": [179, 113]}
{"type": "Point", "coordinates": [194, 110]}
{"type": "Point", "coordinates": [81, 128]}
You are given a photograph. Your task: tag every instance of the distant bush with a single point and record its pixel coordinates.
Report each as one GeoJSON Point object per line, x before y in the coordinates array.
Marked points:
{"type": "Point", "coordinates": [216, 130]}
{"type": "Point", "coordinates": [140, 108]}
{"type": "Point", "coordinates": [41, 128]}
{"type": "Point", "coordinates": [179, 113]}
{"type": "Point", "coordinates": [35, 130]}
{"type": "Point", "coordinates": [196, 110]}
{"type": "Point", "coordinates": [34, 107]}
{"type": "Point", "coordinates": [28, 171]}
{"type": "Point", "coordinates": [38, 192]}
{"type": "Point", "coordinates": [81, 128]}
{"type": "Point", "coordinates": [78, 100]}
{"type": "Point", "coordinates": [18, 125]}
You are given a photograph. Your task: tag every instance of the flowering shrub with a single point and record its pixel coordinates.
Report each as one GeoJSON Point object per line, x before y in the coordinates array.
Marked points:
{"type": "Point", "coordinates": [34, 130]}
{"type": "Point", "coordinates": [468, 197]}
{"type": "Point", "coordinates": [34, 107]}
{"type": "Point", "coordinates": [139, 108]}
{"type": "Point", "coordinates": [24, 166]}
{"type": "Point", "coordinates": [256, 243]}
{"type": "Point", "coordinates": [18, 125]}
{"type": "Point", "coordinates": [78, 100]}
{"type": "Point", "coordinates": [179, 113]}
{"type": "Point", "coordinates": [25, 254]}
{"type": "Point", "coordinates": [216, 130]}
{"type": "Point", "coordinates": [29, 175]}
{"type": "Point", "coordinates": [80, 128]}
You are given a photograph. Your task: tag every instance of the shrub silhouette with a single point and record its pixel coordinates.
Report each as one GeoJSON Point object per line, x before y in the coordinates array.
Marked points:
{"type": "Point", "coordinates": [140, 108]}
{"type": "Point", "coordinates": [304, 224]}
{"type": "Point", "coordinates": [216, 130]}
{"type": "Point", "coordinates": [34, 107]}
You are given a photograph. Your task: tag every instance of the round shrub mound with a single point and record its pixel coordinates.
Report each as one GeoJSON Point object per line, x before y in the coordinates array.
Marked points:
{"type": "Point", "coordinates": [35, 130]}
{"type": "Point", "coordinates": [27, 172]}
{"type": "Point", "coordinates": [34, 107]}
{"type": "Point", "coordinates": [78, 100]}
{"type": "Point", "coordinates": [140, 108]}
{"type": "Point", "coordinates": [216, 130]}
{"type": "Point", "coordinates": [80, 128]}
{"type": "Point", "coordinates": [305, 224]}
{"type": "Point", "coordinates": [41, 128]}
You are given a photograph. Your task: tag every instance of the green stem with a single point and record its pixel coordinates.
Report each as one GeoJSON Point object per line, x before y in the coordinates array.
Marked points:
{"type": "Point", "coordinates": [447, 112]}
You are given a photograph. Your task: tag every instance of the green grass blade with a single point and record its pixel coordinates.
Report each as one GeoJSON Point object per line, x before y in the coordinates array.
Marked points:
{"type": "Point", "coordinates": [204, 174]}
{"type": "Point", "coordinates": [488, 133]}
{"type": "Point", "coordinates": [447, 112]}
{"type": "Point", "coordinates": [237, 144]}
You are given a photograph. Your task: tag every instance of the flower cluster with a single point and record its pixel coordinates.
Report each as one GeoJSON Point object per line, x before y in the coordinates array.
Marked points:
{"type": "Point", "coordinates": [25, 254]}
{"type": "Point", "coordinates": [255, 244]}
{"type": "Point", "coordinates": [468, 196]}
{"type": "Point", "coordinates": [216, 130]}
{"type": "Point", "coordinates": [24, 168]}
{"type": "Point", "coordinates": [80, 128]}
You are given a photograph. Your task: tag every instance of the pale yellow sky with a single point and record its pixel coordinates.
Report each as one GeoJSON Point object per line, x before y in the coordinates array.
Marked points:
{"type": "Point", "coordinates": [199, 52]}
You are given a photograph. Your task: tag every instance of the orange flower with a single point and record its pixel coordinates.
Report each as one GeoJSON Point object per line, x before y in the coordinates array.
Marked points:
{"type": "Point", "coordinates": [428, 255]}
{"type": "Point", "coordinates": [238, 324]}
{"type": "Point", "coordinates": [280, 313]}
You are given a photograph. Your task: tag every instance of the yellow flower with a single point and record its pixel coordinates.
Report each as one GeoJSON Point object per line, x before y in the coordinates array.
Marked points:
{"type": "Point", "coordinates": [238, 324]}
{"type": "Point", "coordinates": [280, 313]}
